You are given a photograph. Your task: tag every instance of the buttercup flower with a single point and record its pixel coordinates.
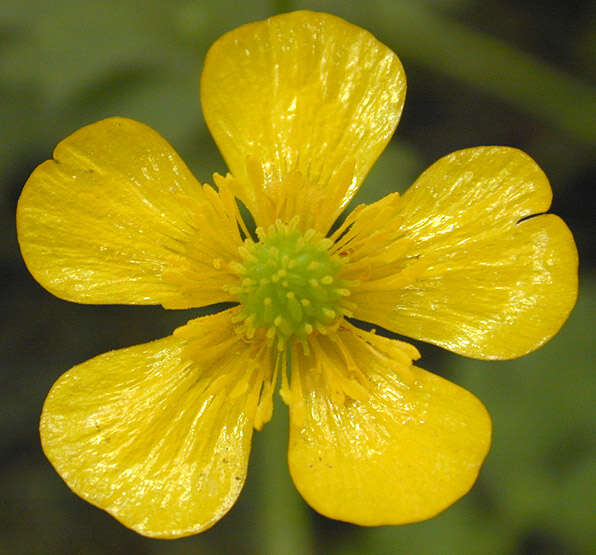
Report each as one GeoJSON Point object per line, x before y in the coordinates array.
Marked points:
{"type": "Point", "coordinates": [300, 105]}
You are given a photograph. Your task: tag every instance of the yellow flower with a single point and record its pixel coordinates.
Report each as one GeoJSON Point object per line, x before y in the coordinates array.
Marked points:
{"type": "Point", "coordinates": [300, 105]}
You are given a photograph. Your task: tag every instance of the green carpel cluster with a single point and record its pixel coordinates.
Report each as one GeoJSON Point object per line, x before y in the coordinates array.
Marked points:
{"type": "Point", "coordinates": [289, 284]}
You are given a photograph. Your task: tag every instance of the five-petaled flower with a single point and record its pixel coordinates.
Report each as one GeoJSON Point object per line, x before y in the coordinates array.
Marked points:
{"type": "Point", "coordinates": [300, 105]}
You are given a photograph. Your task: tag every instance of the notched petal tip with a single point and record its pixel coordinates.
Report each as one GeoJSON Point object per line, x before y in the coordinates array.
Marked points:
{"type": "Point", "coordinates": [494, 277]}
{"type": "Point", "coordinates": [102, 222]}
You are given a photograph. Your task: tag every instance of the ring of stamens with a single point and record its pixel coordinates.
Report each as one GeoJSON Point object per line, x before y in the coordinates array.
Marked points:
{"type": "Point", "coordinates": [289, 284]}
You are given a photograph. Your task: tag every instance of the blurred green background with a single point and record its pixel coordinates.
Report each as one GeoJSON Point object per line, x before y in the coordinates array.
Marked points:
{"type": "Point", "coordinates": [508, 72]}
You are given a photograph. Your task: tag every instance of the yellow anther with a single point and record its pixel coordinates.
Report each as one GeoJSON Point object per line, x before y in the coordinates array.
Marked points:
{"type": "Point", "coordinates": [237, 268]}
{"type": "Point", "coordinates": [238, 317]}
{"type": "Point", "coordinates": [250, 320]}
{"type": "Point", "coordinates": [246, 254]}
{"type": "Point", "coordinates": [322, 329]}
{"type": "Point", "coordinates": [330, 314]}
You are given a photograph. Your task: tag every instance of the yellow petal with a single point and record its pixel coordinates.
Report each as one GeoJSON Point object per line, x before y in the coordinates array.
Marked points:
{"type": "Point", "coordinates": [115, 209]}
{"type": "Point", "coordinates": [407, 452]}
{"type": "Point", "coordinates": [458, 262]}
{"type": "Point", "coordinates": [305, 96]}
{"type": "Point", "coordinates": [158, 440]}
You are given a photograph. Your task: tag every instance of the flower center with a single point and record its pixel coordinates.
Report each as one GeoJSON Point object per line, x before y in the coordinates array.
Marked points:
{"type": "Point", "coordinates": [290, 284]}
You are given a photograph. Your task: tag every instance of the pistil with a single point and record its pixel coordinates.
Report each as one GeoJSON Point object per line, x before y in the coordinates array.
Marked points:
{"type": "Point", "coordinates": [289, 284]}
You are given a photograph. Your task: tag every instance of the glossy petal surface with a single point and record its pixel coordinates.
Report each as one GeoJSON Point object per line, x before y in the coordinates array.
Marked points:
{"type": "Point", "coordinates": [113, 210]}
{"type": "Point", "coordinates": [479, 276]}
{"type": "Point", "coordinates": [301, 92]}
{"type": "Point", "coordinates": [156, 440]}
{"type": "Point", "coordinates": [404, 454]}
